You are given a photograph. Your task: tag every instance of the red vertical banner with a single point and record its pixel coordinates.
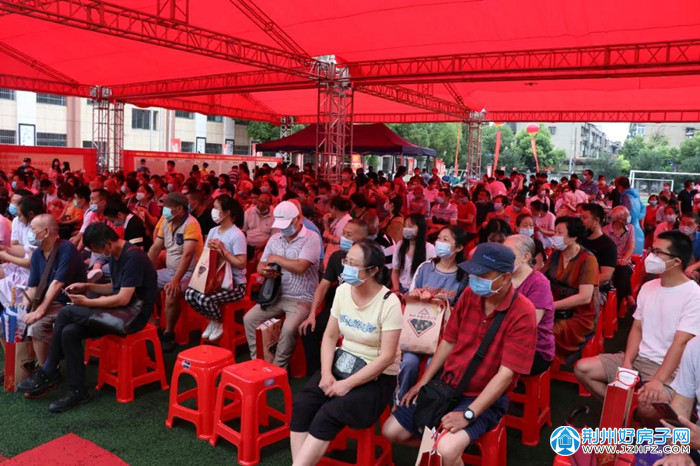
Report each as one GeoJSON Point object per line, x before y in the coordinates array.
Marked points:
{"type": "Point", "coordinates": [497, 151]}
{"type": "Point", "coordinates": [534, 152]}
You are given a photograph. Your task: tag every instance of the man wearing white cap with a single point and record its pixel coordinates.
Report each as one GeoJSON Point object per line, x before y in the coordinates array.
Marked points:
{"type": "Point", "coordinates": [296, 250]}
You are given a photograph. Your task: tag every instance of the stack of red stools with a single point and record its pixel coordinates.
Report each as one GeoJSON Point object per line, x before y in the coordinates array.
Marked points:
{"type": "Point", "coordinates": [251, 381]}
{"type": "Point", "coordinates": [133, 367]}
{"type": "Point", "coordinates": [609, 317]}
{"type": "Point", "coordinates": [536, 409]}
{"type": "Point", "coordinates": [204, 363]}
{"type": "Point", "coordinates": [493, 447]}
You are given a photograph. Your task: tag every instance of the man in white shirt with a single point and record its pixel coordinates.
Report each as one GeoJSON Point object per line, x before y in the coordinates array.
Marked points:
{"type": "Point", "coordinates": [667, 317]}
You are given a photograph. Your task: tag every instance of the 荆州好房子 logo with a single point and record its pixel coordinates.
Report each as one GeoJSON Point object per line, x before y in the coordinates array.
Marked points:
{"type": "Point", "coordinates": [565, 440]}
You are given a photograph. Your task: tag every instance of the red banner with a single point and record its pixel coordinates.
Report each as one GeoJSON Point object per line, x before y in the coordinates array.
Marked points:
{"type": "Point", "coordinates": [497, 151]}
{"type": "Point", "coordinates": [156, 161]}
{"type": "Point", "coordinates": [534, 152]}
{"type": "Point", "coordinates": [79, 159]}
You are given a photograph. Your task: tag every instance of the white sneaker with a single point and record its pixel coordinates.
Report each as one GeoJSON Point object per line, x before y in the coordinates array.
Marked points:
{"type": "Point", "coordinates": [94, 276]}
{"type": "Point", "coordinates": [217, 331]}
{"type": "Point", "coordinates": [207, 331]}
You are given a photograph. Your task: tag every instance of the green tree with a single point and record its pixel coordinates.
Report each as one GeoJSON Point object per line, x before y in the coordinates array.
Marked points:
{"type": "Point", "coordinates": [439, 136]}
{"type": "Point", "coordinates": [609, 165]}
{"type": "Point", "coordinates": [543, 140]}
{"type": "Point", "coordinates": [264, 132]}
{"type": "Point", "coordinates": [506, 157]}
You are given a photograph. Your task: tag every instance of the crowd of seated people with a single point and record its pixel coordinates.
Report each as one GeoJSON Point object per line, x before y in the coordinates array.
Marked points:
{"type": "Point", "coordinates": [544, 252]}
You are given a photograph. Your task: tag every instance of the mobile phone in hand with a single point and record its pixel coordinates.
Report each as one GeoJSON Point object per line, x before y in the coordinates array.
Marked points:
{"type": "Point", "coordinates": [667, 413]}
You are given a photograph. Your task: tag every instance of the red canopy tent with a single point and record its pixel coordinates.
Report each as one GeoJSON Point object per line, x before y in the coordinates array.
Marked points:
{"type": "Point", "coordinates": [407, 61]}
{"type": "Point", "coordinates": [375, 139]}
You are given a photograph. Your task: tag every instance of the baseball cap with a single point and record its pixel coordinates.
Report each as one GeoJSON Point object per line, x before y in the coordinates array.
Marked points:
{"type": "Point", "coordinates": [488, 257]}
{"type": "Point", "coordinates": [285, 212]}
{"type": "Point", "coordinates": [175, 199]}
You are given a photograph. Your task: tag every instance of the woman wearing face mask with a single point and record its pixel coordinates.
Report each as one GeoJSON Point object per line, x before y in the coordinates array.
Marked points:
{"type": "Point", "coordinates": [347, 184]}
{"type": "Point", "coordinates": [439, 276]}
{"type": "Point", "coordinates": [269, 186]}
{"type": "Point", "coordinates": [573, 275]}
{"type": "Point", "coordinates": [622, 234]}
{"type": "Point", "coordinates": [499, 210]}
{"type": "Point", "coordinates": [525, 225]}
{"type": "Point", "coordinates": [671, 220]}
{"type": "Point", "coordinates": [392, 225]}
{"type": "Point", "coordinates": [649, 220]}
{"type": "Point", "coordinates": [159, 192]}
{"type": "Point", "coordinates": [411, 252]}
{"type": "Point", "coordinates": [145, 207]}
{"type": "Point", "coordinates": [369, 318]}
{"type": "Point", "coordinates": [229, 241]}
{"type": "Point", "coordinates": [535, 287]}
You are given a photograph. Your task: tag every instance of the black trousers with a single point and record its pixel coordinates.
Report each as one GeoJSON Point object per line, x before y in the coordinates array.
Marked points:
{"type": "Point", "coordinates": [312, 342]}
{"type": "Point", "coordinates": [622, 279]}
{"type": "Point", "coordinates": [69, 331]}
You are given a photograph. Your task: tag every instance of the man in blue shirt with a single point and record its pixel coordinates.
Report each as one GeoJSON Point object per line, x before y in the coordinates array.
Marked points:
{"type": "Point", "coordinates": [67, 268]}
{"type": "Point", "coordinates": [133, 278]}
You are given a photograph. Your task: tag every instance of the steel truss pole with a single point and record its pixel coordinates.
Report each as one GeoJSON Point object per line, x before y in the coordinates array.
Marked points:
{"type": "Point", "coordinates": [286, 129]}
{"type": "Point", "coordinates": [335, 107]}
{"type": "Point", "coordinates": [107, 129]}
{"type": "Point", "coordinates": [474, 124]}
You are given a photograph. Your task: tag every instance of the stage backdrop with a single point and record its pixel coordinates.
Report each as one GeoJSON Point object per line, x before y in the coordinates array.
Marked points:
{"type": "Point", "coordinates": [80, 159]}
{"type": "Point", "coordinates": [156, 161]}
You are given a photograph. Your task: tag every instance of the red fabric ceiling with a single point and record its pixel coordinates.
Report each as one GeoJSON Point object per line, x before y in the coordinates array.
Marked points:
{"type": "Point", "coordinates": [362, 30]}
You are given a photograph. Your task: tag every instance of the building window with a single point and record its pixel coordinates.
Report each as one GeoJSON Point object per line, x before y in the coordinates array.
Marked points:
{"type": "Point", "coordinates": [141, 119]}
{"type": "Point", "coordinates": [7, 94]}
{"type": "Point", "coordinates": [240, 150]}
{"type": "Point", "coordinates": [689, 133]}
{"type": "Point", "coordinates": [8, 136]}
{"type": "Point", "coordinates": [51, 99]}
{"type": "Point", "coordinates": [215, 118]}
{"type": "Point", "coordinates": [51, 139]}
{"type": "Point", "coordinates": [181, 114]}
{"type": "Point", "coordinates": [211, 148]}
{"type": "Point", "coordinates": [552, 130]}
{"type": "Point", "coordinates": [186, 146]}
{"type": "Point", "coordinates": [640, 130]}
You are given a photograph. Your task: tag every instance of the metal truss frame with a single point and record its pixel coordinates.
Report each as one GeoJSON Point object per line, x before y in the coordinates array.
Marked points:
{"type": "Point", "coordinates": [473, 148]}
{"type": "Point", "coordinates": [334, 124]}
{"type": "Point", "coordinates": [107, 129]}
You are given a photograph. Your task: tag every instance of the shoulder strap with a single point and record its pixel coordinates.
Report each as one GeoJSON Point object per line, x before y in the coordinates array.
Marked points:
{"type": "Point", "coordinates": [39, 293]}
{"type": "Point", "coordinates": [379, 322]}
{"type": "Point", "coordinates": [483, 347]}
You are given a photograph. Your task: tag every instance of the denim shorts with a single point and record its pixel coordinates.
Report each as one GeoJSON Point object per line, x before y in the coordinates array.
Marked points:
{"type": "Point", "coordinates": [482, 424]}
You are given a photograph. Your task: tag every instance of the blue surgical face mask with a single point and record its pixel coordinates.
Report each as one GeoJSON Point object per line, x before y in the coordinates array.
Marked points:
{"type": "Point", "coordinates": [264, 189]}
{"type": "Point", "coordinates": [289, 231]}
{"type": "Point", "coordinates": [345, 244]}
{"type": "Point", "coordinates": [168, 213]}
{"type": "Point", "coordinates": [527, 231]}
{"type": "Point", "coordinates": [118, 224]}
{"type": "Point", "coordinates": [442, 249]}
{"type": "Point", "coordinates": [171, 187]}
{"type": "Point", "coordinates": [482, 287]}
{"type": "Point", "coordinates": [498, 205]}
{"type": "Point", "coordinates": [351, 275]}
{"type": "Point", "coordinates": [32, 239]}
{"type": "Point", "coordinates": [93, 207]}
{"type": "Point", "coordinates": [14, 185]}
{"type": "Point", "coordinates": [12, 209]}
{"type": "Point", "coordinates": [75, 203]}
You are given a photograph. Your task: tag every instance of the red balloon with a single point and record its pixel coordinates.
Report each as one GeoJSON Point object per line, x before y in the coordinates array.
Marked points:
{"type": "Point", "coordinates": [533, 128]}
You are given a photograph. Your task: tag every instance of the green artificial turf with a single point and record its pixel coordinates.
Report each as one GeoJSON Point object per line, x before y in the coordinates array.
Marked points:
{"type": "Point", "coordinates": [136, 432]}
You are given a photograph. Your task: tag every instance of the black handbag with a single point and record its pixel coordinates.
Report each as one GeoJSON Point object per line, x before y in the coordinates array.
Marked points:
{"type": "Point", "coordinates": [118, 321]}
{"type": "Point", "coordinates": [437, 398]}
{"type": "Point", "coordinates": [346, 364]}
{"type": "Point", "coordinates": [270, 289]}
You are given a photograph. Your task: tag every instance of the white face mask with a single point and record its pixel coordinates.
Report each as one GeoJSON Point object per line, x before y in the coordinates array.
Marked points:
{"type": "Point", "coordinates": [654, 264]}
{"type": "Point", "coordinates": [216, 215]}
{"type": "Point", "coordinates": [558, 243]}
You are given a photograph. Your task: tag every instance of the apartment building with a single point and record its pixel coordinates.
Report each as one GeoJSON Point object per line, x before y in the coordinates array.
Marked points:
{"type": "Point", "coordinates": [675, 132]}
{"type": "Point", "coordinates": [27, 118]}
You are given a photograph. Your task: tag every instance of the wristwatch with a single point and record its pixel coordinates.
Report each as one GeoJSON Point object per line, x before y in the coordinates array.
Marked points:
{"type": "Point", "coordinates": [469, 415]}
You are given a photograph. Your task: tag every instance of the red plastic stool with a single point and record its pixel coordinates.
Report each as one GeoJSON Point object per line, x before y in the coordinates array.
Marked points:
{"type": "Point", "coordinates": [610, 315]}
{"type": "Point", "coordinates": [297, 364]}
{"type": "Point", "coordinates": [189, 321]}
{"type": "Point", "coordinates": [561, 460]}
{"type": "Point", "coordinates": [250, 381]}
{"type": "Point", "coordinates": [93, 348]}
{"type": "Point", "coordinates": [204, 363]}
{"type": "Point", "coordinates": [234, 332]}
{"type": "Point", "coordinates": [493, 447]}
{"type": "Point", "coordinates": [134, 367]}
{"type": "Point", "coordinates": [536, 410]}
{"type": "Point", "coordinates": [366, 448]}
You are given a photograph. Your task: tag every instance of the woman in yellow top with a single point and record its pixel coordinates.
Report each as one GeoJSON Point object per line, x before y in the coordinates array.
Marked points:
{"type": "Point", "coordinates": [359, 374]}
